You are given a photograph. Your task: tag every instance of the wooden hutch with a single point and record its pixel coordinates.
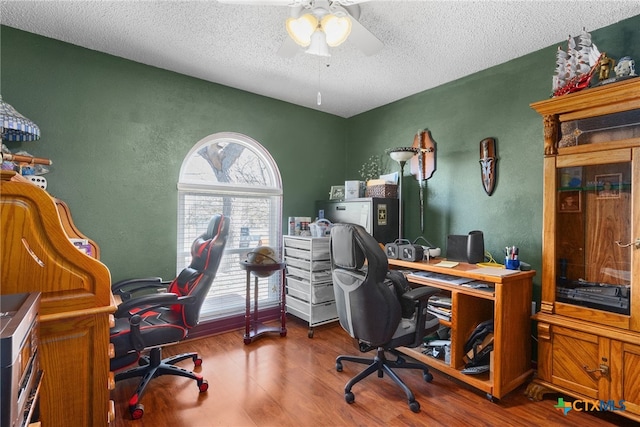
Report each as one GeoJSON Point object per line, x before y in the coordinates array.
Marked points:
{"type": "Point", "coordinates": [589, 320]}
{"type": "Point", "coordinates": [76, 308]}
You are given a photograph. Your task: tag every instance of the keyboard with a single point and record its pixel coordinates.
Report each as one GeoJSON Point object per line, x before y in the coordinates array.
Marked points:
{"type": "Point", "coordinates": [441, 278]}
{"type": "Point", "coordinates": [474, 370]}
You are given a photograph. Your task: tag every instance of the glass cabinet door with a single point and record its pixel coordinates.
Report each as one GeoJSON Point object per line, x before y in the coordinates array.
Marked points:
{"type": "Point", "coordinates": [593, 223]}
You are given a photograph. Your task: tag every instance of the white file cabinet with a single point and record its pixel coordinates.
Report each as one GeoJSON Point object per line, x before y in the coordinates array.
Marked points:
{"type": "Point", "coordinates": [308, 281]}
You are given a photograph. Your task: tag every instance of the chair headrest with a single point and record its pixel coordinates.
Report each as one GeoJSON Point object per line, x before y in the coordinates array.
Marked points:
{"type": "Point", "coordinates": [345, 250]}
{"type": "Point", "coordinates": [215, 236]}
{"type": "Point", "coordinates": [214, 227]}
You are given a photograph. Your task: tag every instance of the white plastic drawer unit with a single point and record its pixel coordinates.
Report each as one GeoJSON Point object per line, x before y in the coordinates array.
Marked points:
{"type": "Point", "coordinates": [308, 265]}
{"type": "Point", "coordinates": [309, 283]}
{"type": "Point", "coordinates": [315, 294]}
{"type": "Point", "coordinates": [310, 276]}
{"type": "Point", "coordinates": [307, 247]}
{"type": "Point", "coordinates": [315, 314]}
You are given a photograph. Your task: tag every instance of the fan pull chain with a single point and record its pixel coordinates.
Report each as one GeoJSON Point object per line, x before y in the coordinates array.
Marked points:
{"type": "Point", "coordinates": [319, 95]}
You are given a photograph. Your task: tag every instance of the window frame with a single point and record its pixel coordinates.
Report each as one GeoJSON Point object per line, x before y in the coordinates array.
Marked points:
{"type": "Point", "coordinates": [274, 196]}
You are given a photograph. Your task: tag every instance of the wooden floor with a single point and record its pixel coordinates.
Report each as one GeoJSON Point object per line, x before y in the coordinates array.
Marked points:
{"type": "Point", "coordinates": [292, 381]}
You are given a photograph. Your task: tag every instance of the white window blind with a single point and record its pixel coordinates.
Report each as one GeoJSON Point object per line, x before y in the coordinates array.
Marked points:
{"type": "Point", "coordinates": [234, 175]}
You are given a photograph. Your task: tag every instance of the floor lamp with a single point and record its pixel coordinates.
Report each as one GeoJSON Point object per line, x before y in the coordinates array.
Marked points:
{"type": "Point", "coordinates": [401, 155]}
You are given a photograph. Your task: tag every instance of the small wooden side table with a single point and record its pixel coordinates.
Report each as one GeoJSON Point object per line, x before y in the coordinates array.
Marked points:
{"type": "Point", "coordinates": [254, 328]}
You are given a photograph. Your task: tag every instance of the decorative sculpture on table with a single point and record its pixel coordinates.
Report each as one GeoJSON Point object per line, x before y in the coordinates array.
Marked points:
{"type": "Point", "coordinates": [488, 164]}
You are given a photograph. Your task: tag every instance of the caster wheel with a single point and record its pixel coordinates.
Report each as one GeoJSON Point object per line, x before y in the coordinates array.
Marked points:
{"type": "Point", "coordinates": [197, 362]}
{"type": "Point", "coordinates": [338, 366]}
{"type": "Point", "coordinates": [428, 377]}
{"type": "Point", "coordinates": [203, 386]}
{"type": "Point", "coordinates": [491, 398]}
{"type": "Point", "coordinates": [137, 411]}
{"type": "Point", "coordinates": [310, 333]}
{"type": "Point", "coordinates": [349, 397]}
{"type": "Point", "coordinates": [414, 406]}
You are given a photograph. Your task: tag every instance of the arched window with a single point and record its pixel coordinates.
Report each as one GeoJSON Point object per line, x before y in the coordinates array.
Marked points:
{"type": "Point", "coordinates": [232, 174]}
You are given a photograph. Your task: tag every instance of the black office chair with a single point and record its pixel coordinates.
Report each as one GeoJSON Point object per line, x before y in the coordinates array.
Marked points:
{"type": "Point", "coordinates": [154, 313]}
{"type": "Point", "coordinates": [377, 307]}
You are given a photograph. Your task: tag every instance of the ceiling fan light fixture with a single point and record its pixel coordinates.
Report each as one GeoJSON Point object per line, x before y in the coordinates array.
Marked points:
{"type": "Point", "coordinates": [337, 29]}
{"type": "Point", "coordinates": [302, 28]}
{"type": "Point", "coordinates": [318, 44]}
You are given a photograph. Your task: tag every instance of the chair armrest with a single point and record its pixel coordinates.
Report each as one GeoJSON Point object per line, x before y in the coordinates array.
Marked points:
{"type": "Point", "coordinates": [147, 302]}
{"type": "Point", "coordinates": [420, 293]}
{"type": "Point", "coordinates": [128, 287]}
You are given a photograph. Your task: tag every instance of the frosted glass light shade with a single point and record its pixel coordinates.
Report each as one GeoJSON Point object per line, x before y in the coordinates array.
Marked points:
{"type": "Point", "coordinates": [402, 154]}
{"type": "Point", "coordinates": [300, 29]}
{"type": "Point", "coordinates": [318, 44]}
{"type": "Point", "coordinates": [336, 28]}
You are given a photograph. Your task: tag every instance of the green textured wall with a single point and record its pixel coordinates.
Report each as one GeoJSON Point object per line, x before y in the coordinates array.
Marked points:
{"type": "Point", "coordinates": [492, 103]}
{"type": "Point", "coordinates": [117, 132]}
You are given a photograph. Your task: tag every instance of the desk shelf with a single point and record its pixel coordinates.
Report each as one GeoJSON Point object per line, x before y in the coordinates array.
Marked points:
{"type": "Point", "coordinates": [508, 304]}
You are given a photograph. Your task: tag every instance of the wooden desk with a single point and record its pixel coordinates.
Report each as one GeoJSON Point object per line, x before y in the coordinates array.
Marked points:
{"type": "Point", "coordinates": [508, 304]}
{"type": "Point", "coordinates": [76, 306]}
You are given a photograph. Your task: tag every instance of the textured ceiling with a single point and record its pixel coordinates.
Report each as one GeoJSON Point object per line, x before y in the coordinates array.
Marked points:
{"type": "Point", "coordinates": [427, 43]}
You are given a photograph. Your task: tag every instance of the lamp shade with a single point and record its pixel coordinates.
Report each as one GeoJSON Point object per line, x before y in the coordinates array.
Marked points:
{"type": "Point", "coordinates": [318, 44]}
{"type": "Point", "coordinates": [402, 154]}
{"type": "Point", "coordinates": [300, 29]}
{"type": "Point", "coordinates": [15, 126]}
{"type": "Point", "coordinates": [336, 28]}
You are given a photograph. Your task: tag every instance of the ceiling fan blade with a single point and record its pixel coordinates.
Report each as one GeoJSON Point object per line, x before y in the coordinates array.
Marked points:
{"type": "Point", "coordinates": [288, 48]}
{"type": "Point", "coordinates": [363, 38]}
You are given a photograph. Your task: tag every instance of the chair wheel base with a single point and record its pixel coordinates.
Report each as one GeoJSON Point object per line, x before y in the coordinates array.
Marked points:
{"type": "Point", "coordinates": [414, 406]}
{"type": "Point", "coordinates": [349, 397]}
{"type": "Point", "coordinates": [137, 411]}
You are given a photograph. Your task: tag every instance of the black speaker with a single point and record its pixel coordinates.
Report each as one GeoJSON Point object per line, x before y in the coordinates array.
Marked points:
{"type": "Point", "coordinates": [411, 252]}
{"type": "Point", "coordinates": [457, 248]}
{"type": "Point", "coordinates": [469, 248]}
{"type": "Point", "coordinates": [475, 247]}
{"type": "Point", "coordinates": [391, 249]}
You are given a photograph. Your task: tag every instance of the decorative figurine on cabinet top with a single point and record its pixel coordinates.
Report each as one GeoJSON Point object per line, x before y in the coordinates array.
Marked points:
{"type": "Point", "coordinates": [575, 67]}
{"type": "Point", "coordinates": [626, 68]}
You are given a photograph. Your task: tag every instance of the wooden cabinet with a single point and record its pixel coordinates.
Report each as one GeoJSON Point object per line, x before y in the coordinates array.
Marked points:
{"type": "Point", "coordinates": [507, 301]}
{"type": "Point", "coordinates": [589, 320]}
{"type": "Point", "coordinates": [309, 284]}
{"type": "Point", "coordinates": [76, 305]}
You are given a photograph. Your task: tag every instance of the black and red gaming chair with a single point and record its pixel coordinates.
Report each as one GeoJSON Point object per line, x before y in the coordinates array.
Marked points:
{"type": "Point", "coordinates": [154, 313]}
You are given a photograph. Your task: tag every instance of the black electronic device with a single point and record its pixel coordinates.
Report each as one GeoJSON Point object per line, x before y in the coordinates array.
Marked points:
{"type": "Point", "coordinates": [391, 249]}
{"type": "Point", "coordinates": [466, 248]}
{"type": "Point", "coordinates": [20, 373]}
{"type": "Point", "coordinates": [411, 252]}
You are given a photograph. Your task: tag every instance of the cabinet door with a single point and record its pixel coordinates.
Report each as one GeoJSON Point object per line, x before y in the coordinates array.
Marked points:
{"type": "Point", "coordinates": [594, 263]}
{"type": "Point", "coordinates": [580, 362]}
{"type": "Point", "coordinates": [625, 383]}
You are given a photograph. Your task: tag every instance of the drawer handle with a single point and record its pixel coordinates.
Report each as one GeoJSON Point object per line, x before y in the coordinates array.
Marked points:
{"type": "Point", "coordinates": [626, 245]}
{"type": "Point", "coordinates": [603, 369]}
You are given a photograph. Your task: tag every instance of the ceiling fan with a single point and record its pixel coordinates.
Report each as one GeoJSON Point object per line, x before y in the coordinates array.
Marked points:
{"type": "Point", "coordinates": [320, 24]}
